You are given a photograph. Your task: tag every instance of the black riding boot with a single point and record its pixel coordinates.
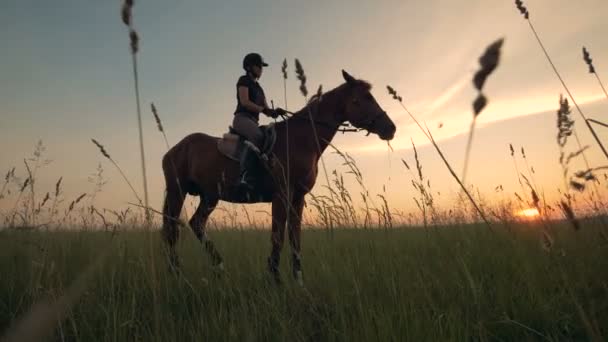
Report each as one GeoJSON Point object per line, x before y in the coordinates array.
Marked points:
{"type": "Point", "coordinates": [247, 163]}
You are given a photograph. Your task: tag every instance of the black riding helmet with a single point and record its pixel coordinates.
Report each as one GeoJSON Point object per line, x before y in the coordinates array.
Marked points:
{"type": "Point", "coordinates": [252, 59]}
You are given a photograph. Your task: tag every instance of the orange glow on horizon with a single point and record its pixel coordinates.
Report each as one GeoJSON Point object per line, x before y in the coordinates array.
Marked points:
{"type": "Point", "coordinates": [528, 213]}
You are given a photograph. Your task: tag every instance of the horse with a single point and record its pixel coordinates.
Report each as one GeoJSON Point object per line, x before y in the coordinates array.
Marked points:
{"type": "Point", "coordinates": [196, 167]}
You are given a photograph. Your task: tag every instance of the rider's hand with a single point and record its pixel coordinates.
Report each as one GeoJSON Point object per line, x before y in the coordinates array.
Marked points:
{"type": "Point", "coordinates": [274, 113]}
{"type": "Point", "coordinates": [267, 111]}
{"type": "Point", "coordinates": [270, 112]}
{"type": "Point", "coordinates": [280, 111]}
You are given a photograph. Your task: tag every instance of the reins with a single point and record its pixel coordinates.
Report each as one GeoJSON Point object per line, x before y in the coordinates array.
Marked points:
{"type": "Point", "coordinates": [346, 127]}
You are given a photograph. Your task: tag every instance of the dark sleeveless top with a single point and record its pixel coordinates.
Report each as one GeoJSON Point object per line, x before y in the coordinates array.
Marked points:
{"type": "Point", "coordinates": [256, 95]}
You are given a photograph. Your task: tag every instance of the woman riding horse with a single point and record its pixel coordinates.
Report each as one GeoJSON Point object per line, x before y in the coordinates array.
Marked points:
{"type": "Point", "coordinates": [211, 175]}
{"type": "Point", "coordinates": [251, 101]}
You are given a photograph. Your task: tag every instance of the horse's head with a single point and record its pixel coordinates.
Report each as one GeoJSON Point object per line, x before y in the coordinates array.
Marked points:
{"type": "Point", "coordinates": [362, 110]}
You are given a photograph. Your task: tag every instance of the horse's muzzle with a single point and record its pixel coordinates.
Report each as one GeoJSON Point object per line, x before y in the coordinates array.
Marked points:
{"type": "Point", "coordinates": [388, 131]}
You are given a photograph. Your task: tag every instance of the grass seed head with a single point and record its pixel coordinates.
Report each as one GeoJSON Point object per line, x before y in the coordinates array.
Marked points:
{"type": "Point", "coordinates": [301, 76]}
{"type": "Point", "coordinates": [479, 104]}
{"type": "Point", "coordinates": [58, 187]}
{"type": "Point", "coordinates": [134, 41]}
{"type": "Point", "coordinates": [588, 60]}
{"type": "Point", "coordinates": [125, 14]}
{"type": "Point", "coordinates": [393, 92]}
{"type": "Point", "coordinates": [284, 68]}
{"type": "Point", "coordinates": [101, 149]}
{"type": "Point", "coordinates": [522, 9]}
{"type": "Point", "coordinates": [488, 62]}
{"type": "Point", "coordinates": [159, 124]}
{"type": "Point", "coordinates": [80, 198]}
{"type": "Point", "coordinates": [25, 184]}
{"type": "Point", "coordinates": [46, 198]}
{"type": "Point", "coordinates": [564, 122]}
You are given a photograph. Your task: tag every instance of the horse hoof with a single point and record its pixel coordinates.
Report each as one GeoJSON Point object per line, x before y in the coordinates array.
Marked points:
{"type": "Point", "coordinates": [219, 268]}
{"type": "Point", "coordinates": [276, 279]}
{"type": "Point", "coordinates": [174, 268]}
{"type": "Point", "coordinates": [299, 278]}
{"type": "Point", "coordinates": [275, 275]}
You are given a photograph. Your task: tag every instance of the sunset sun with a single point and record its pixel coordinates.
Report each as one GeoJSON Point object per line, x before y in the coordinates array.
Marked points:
{"type": "Point", "coordinates": [528, 213]}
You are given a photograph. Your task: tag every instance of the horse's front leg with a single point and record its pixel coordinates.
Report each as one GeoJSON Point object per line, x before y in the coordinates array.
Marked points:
{"type": "Point", "coordinates": [279, 216]}
{"type": "Point", "coordinates": [295, 232]}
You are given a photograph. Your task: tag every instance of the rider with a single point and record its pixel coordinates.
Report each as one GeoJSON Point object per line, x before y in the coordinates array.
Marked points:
{"type": "Point", "coordinates": [251, 101]}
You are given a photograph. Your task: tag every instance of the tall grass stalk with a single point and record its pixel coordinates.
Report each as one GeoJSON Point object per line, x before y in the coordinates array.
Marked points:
{"type": "Point", "coordinates": [301, 76]}
{"type": "Point", "coordinates": [161, 129]}
{"type": "Point", "coordinates": [287, 168]}
{"type": "Point", "coordinates": [127, 19]}
{"type": "Point", "coordinates": [105, 153]}
{"type": "Point", "coordinates": [488, 63]}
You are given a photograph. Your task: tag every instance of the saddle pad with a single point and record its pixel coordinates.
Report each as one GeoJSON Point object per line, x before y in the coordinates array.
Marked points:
{"type": "Point", "coordinates": [228, 146]}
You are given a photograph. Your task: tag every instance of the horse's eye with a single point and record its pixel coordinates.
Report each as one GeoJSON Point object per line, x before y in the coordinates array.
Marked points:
{"type": "Point", "coordinates": [356, 101]}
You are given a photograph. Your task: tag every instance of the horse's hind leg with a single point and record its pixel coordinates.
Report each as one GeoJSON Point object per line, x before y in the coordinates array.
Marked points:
{"type": "Point", "coordinates": [198, 223]}
{"type": "Point", "coordinates": [171, 209]}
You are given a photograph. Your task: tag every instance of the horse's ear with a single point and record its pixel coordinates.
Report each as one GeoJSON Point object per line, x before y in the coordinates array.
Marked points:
{"type": "Point", "coordinates": [348, 78]}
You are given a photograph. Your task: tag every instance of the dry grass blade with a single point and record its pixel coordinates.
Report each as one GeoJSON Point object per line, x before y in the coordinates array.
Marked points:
{"type": "Point", "coordinates": [483, 217]}
{"type": "Point", "coordinates": [428, 134]}
{"type": "Point", "coordinates": [105, 154]}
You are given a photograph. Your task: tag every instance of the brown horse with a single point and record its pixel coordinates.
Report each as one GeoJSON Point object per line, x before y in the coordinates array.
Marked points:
{"type": "Point", "coordinates": [195, 166]}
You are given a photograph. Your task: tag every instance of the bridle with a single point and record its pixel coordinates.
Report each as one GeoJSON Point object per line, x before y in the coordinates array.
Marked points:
{"type": "Point", "coordinates": [346, 127]}
{"type": "Point", "coordinates": [368, 124]}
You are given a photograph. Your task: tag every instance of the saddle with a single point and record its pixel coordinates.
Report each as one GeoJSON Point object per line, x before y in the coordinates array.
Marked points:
{"type": "Point", "coordinates": [233, 144]}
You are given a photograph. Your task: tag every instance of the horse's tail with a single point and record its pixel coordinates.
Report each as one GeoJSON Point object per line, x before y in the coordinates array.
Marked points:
{"type": "Point", "coordinates": [174, 199]}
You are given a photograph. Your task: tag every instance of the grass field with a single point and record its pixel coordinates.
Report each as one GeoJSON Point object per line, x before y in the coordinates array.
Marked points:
{"type": "Point", "coordinates": [459, 283]}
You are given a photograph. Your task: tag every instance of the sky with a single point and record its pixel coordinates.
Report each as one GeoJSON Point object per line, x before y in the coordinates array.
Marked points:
{"type": "Point", "coordinates": [66, 77]}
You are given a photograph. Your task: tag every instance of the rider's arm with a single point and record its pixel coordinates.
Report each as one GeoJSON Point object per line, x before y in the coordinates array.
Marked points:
{"type": "Point", "coordinates": [244, 99]}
